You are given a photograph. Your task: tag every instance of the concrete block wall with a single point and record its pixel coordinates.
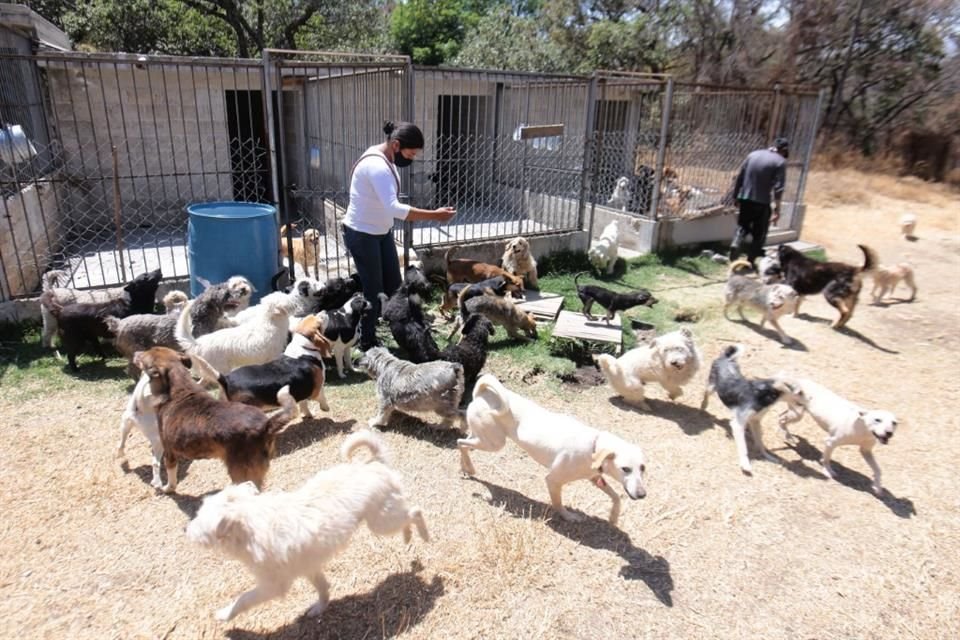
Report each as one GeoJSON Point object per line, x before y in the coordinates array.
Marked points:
{"type": "Point", "coordinates": [31, 229]}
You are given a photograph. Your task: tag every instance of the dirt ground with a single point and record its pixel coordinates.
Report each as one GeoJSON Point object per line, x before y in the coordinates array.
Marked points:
{"type": "Point", "coordinates": [89, 550]}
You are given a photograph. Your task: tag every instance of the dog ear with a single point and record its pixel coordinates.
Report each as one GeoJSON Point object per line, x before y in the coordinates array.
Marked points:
{"type": "Point", "coordinates": [186, 361]}
{"type": "Point", "coordinates": [599, 457]}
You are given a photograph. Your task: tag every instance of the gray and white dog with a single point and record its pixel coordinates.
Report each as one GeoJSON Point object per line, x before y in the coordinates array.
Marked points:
{"type": "Point", "coordinates": [773, 300]}
{"type": "Point", "coordinates": [210, 309]}
{"type": "Point", "coordinates": [430, 387]}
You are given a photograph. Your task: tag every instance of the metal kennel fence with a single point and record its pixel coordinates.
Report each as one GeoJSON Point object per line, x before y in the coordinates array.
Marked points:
{"type": "Point", "coordinates": [119, 144]}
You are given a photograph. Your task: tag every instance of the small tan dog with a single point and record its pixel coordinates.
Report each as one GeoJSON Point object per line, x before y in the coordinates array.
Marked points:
{"type": "Point", "coordinates": [886, 279]}
{"type": "Point", "coordinates": [570, 449]}
{"type": "Point", "coordinates": [305, 248]}
{"type": "Point", "coordinates": [908, 224]}
{"type": "Point", "coordinates": [518, 261]}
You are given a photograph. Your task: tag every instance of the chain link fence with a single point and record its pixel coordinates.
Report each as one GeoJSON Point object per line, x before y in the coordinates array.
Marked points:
{"type": "Point", "coordinates": [119, 144]}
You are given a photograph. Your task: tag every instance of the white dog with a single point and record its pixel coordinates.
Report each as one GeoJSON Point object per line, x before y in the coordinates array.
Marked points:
{"type": "Point", "coordinates": [300, 302]}
{"type": "Point", "coordinates": [603, 252]}
{"type": "Point", "coordinates": [886, 279]}
{"type": "Point", "coordinates": [256, 341]}
{"type": "Point", "coordinates": [671, 360]}
{"type": "Point", "coordinates": [568, 448]}
{"type": "Point", "coordinates": [908, 224]}
{"type": "Point", "coordinates": [140, 413]}
{"type": "Point", "coordinates": [844, 422]}
{"type": "Point", "coordinates": [621, 195]}
{"type": "Point", "coordinates": [517, 260]}
{"type": "Point", "coordinates": [281, 536]}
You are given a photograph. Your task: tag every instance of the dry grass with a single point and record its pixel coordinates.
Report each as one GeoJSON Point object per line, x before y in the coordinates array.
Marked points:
{"type": "Point", "coordinates": [90, 551]}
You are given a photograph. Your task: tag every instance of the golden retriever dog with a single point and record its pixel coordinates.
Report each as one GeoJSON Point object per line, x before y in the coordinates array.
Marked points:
{"type": "Point", "coordinates": [305, 248]}
{"type": "Point", "coordinates": [518, 261]}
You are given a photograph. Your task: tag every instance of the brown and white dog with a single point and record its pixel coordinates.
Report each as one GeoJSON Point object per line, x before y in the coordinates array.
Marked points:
{"type": "Point", "coordinates": [305, 248]}
{"type": "Point", "coordinates": [300, 368]}
{"type": "Point", "coordinates": [464, 270]}
{"type": "Point", "coordinates": [195, 425]}
{"type": "Point", "coordinates": [518, 261]}
{"type": "Point", "coordinates": [839, 282]}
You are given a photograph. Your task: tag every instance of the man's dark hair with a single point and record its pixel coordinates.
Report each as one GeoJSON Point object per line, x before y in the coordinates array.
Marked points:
{"type": "Point", "coordinates": [407, 133]}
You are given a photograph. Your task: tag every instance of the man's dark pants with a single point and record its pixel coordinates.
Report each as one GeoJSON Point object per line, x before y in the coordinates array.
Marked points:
{"type": "Point", "coordinates": [753, 221]}
{"type": "Point", "coordinates": [379, 270]}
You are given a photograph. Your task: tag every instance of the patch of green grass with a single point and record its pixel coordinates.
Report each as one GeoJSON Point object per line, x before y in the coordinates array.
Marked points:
{"type": "Point", "coordinates": [29, 370]}
{"type": "Point", "coordinates": [820, 255]}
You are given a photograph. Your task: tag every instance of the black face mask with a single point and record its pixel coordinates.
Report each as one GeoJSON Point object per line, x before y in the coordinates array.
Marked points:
{"type": "Point", "coordinates": [400, 160]}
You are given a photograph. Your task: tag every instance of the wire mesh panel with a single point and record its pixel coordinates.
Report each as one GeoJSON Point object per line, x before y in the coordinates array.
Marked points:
{"type": "Point", "coordinates": [332, 107]}
{"type": "Point", "coordinates": [133, 140]}
{"type": "Point", "coordinates": [506, 149]}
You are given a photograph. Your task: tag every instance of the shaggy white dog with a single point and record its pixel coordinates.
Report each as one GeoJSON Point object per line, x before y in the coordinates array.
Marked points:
{"type": "Point", "coordinates": [621, 195]}
{"type": "Point", "coordinates": [140, 413]}
{"type": "Point", "coordinates": [844, 422]}
{"type": "Point", "coordinates": [300, 302]}
{"type": "Point", "coordinates": [603, 252]}
{"type": "Point", "coordinates": [281, 536]}
{"type": "Point", "coordinates": [670, 360]}
{"type": "Point", "coordinates": [568, 448]}
{"type": "Point", "coordinates": [256, 341]}
{"type": "Point", "coordinates": [517, 260]}
{"type": "Point", "coordinates": [908, 224]}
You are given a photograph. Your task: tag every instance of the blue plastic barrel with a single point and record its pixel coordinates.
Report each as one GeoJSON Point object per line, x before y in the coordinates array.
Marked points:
{"type": "Point", "coordinates": [232, 238]}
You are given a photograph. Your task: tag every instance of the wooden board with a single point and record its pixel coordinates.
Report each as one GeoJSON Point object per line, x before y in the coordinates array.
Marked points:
{"type": "Point", "coordinates": [541, 131]}
{"type": "Point", "coordinates": [571, 324]}
{"type": "Point", "coordinates": [544, 306]}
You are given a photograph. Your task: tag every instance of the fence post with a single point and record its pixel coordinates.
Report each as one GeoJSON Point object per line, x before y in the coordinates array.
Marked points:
{"type": "Point", "coordinates": [282, 218]}
{"type": "Point", "coordinates": [797, 220]}
{"type": "Point", "coordinates": [408, 110]}
{"type": "Point", "coordinates": [661, 154]}
{"type": "Point", "coordinates": [588, 177]}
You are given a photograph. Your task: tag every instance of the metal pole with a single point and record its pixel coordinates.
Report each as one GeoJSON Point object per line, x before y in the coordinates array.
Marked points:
{"type": "Point", "coordinates": [662, 150]}
{"type": "Point", "coordinates": [587, 181]}
{"type": "Point", "coordinates": [117, 222]}
{"type": "Point", "coordinates": [272, 155]}
{"type": "Point", "coordinates": [408, 111]}
{"type": "Point", "coordinates": [796, 221]}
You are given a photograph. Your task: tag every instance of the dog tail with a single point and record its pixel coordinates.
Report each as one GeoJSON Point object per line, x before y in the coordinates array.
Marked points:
{"type": "Point", "coordinates": [288, 409]}
{"type": "Point", "coordinates": [184, 329]}
{"type": "Point", "coordinates": [209, 375]}
{"type": "Point", "coordinates": [736, 265]}
{"type": "Point", "coordinates": [870, 260]}
{"type": "Point", "coordinates": [54, 278]}
{"type": "Point", "coordinates": [494, 393]}
{"type": "Point", "coordinates": [576, 284]}
{"type": "Point", "coordinates": [733, 352]}
{"type": "Point", "coordinates": [462, 304]}
{"type": "Point", "coordinates": [364, 438]}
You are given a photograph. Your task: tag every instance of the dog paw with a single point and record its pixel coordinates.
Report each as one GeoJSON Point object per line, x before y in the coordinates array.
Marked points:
{"type": "Point", "coordinates": [324, 406]}
{"type": "Point", "coordinates": [168, 488]}
{"type": "Point", "coordinates": [877, 490]}
{"type": "Point", "coordinates": [747, 470]}
{"type": "Point", "coordinates": [571, 516]}
{"type": "Point", "coordinates": [827, 470]}
{"type": "Point", "coordinates": [225, 614]}
{"type": "Point", "coordinates": [316, 610]}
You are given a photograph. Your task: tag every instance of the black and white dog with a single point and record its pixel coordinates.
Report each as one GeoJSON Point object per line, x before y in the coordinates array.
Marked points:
{"type": "Point", "coordinates": [336, 292]}
{"type": "Point", "coordinates": [748, 399]}
{"type": "Point", "coordinates": [343, 330]}
{"type": "Point", "coordinates": [610, 300]}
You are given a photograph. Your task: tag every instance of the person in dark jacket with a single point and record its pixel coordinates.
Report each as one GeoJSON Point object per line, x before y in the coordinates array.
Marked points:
{"type": "Point", "coordinates": [762, 178]}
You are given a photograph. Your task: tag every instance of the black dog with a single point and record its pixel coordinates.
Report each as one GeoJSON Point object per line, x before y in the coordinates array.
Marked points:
{"type": "Point", "coordinates": [610, 300]}
{"type": "Point", "coordinates": [748, 399]}
{"type": "Point", "coordinates": [409, 325]}
{"type": "Point", "coordinates": [337, 291]}
{"type": "Point", "coordinates": [84, 323]}
{"type": "Point", "coordinates": [839, 282]}
{"type": "Point", "coordinates": [471, 351]}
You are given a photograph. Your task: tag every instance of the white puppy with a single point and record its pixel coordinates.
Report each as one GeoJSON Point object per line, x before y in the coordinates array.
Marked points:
{"type": "Point", "coordinates": [844, 422]}
{"type": "Point", "coordinates": [670, 360]}
{"type": "Point", "coordinates": [621, 195]}
{"type": "Point", "coordinates": [255, 341]}
{"type": "Point", "coordinates": [568, 448]}
{"type": "Point", "coordinates": [908, 224]}
{"type": "Point", "coordinates": [140, 413]}
{"type": "Point", "coordinates": [603, 252]}
{"type": "Point", "coordinates": [282, 536]}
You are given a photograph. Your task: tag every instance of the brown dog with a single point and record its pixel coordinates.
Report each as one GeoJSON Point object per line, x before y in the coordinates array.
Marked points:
{"type": "Point", "coordinates": [463, 270]}
{"type": "Point", "coordinates": [195, 425]}
{"type": "Point", "coordinates": [839, 282]}
{"type": "Point", "coordinates": [305, 248]}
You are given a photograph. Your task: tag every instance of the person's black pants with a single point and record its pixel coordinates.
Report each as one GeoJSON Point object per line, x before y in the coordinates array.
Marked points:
{"type": "Point", "coordinates": [753, 221]}
{"type": "Point", "coordinates": [379, 269]}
